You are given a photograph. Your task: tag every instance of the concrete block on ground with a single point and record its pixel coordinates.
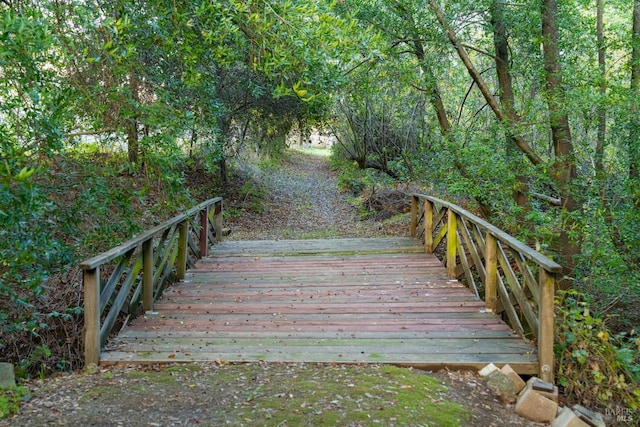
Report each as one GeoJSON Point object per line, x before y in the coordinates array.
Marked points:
{"type": "Point", "coordinates": [518, 382]}
{"type": "Point", "coordinates": [567, 418]}
{"type": "Point", "coordinates": [7, 375]}
{"type": "Point", "coordinates": [502, 386]}
{"type": "Point", "coordinates": [488, 369]}
{"type": "Point", "coordinates": [535, 407]}
{"type": "Point", "coordinates": [543, 388]}
{"type": "Point", "coordinates": [591, 418]}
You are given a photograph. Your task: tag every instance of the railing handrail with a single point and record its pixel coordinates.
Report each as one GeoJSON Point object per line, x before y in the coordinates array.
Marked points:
{"type": "Point", "coordinates": [535, 256]}
{"type": "Point", "coordinates": [509, 283]}
{"type": "Point", "coordinates": [115, 252]}
{"type": "Point", "coordinates": [146, 264]}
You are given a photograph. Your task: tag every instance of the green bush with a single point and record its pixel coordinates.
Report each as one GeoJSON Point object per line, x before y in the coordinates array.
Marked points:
{"type": "Point", "coordinates": [28, 254]}
{"type": "Point", "coordinates": [10, 399]}
{"type": "Point", "coordinates": [594, 367]}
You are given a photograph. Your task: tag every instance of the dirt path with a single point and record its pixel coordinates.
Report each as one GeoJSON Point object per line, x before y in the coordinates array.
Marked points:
{"type": "Point", "coordinates": [300, 200]}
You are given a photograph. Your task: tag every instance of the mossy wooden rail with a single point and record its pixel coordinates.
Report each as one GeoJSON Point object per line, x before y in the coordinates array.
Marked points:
{"type": "Point", "coordinates": [132, 276]}
{"type": "Point", "coordinates": [515, 281]}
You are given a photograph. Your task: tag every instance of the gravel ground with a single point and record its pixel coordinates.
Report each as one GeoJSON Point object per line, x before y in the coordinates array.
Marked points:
{"type": "Point", "coordinates": [261, 394]}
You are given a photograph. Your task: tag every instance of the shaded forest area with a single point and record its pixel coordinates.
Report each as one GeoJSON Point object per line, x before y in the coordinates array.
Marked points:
{"type": "Point", "coordinates": [527, 114]}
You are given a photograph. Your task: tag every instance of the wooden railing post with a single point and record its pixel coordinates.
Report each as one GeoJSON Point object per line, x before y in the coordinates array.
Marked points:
{"type": "Point", "coordinates": [414, 216]}
{"type": "Point", "coordinates": [428, 226]}
{"type": "Point", "coordinates": [546, 325]}
{"type": "Point", "coordinates": [91, 283]}
{"type": "Point", "coordinates": [204, 232]}
{"type": "Point", "coordinates": [491, 273]}
{"type": "Point", "coordinates": [217, 221]}
{"type": "Point", "coordinates": [181, 263]}
{"type": "Point", "coordinates": [452, 242]}
{"type": "Point", "coordinates": [147, 275]}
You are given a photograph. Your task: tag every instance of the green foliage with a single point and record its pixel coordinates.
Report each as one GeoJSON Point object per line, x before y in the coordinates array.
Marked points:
{"type": "Point", "coordinates": [29, 254]}
{"type": "Point", "coordinates": [594, 367]}
{"type": "Point", "coordinates": [355, 180]}
{"type": "Point", "coordinates": [34, 104]}
{"type": "Point", "coordinates": [252, 194]}
{"type": "Point", "coordinates": [10, 400]}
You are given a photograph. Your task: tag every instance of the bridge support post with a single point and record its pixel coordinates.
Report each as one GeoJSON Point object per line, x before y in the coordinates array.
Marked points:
{"type": "Point", "coordinates": [91, 283]}
{"type": "Point", "coordinates": [428, 227]}
{"type": "Point", "coordinates": [181, 263]}
{"type": "Point", "coordinates": [414, 216]}
{"type": "Point", "coordinates": [204, 232]}
{"type": "Point", "coordinates": [217, 220]}
{"type": "Point", "coordinates": [147, 275]}
{"type": "Point", "coordinates": [452, 243]}
{"type": "Point", "coordinates": [546, 325]}
{"type": "Point", "coordinates": [491, 273]}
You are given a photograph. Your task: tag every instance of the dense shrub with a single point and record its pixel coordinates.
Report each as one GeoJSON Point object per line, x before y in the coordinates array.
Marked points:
{"type": "Point", "coordinates": [594, 367]}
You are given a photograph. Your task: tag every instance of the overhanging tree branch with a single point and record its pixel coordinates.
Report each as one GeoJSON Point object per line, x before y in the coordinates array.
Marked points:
{"type": "Point", "coordinates": [484, 89]}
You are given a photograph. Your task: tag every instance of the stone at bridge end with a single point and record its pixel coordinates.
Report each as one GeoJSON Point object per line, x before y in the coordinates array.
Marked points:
{"type": "Point", "coordinates": [567, 418]}
{"type": "Point", "coordinates": [543, 388]}
{"type": "Point", "coordinates": [502, 386]}
{"type": "Point", "coordinates": [7, 376]}
{"type": "Point", "coordinates": [535, 407]}
{"type": "Point", "coordinates": [517, 381]}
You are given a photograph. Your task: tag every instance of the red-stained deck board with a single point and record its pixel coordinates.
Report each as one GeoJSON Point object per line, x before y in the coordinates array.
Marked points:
{"type": "Point", "coordinates": [337, 301]}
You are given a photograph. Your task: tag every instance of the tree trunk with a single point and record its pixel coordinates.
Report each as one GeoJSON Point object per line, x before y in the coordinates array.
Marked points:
{"type": "Point", "coordinates": [564, 168]}
{"type": "Point", "coordinates": [602, 112]}
{"type": "Point", "coordinates": [484, 89]}
{"type": "Point", "coordinates": [507, 98]}
{"type": "Point", "coordinates": [133, 145]}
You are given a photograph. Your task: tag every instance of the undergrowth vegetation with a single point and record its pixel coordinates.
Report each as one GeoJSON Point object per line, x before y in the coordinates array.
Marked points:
{"type": "Point", "coordinates": [74, 206]}
{"type": "Point", "coordinates": [595, 367]}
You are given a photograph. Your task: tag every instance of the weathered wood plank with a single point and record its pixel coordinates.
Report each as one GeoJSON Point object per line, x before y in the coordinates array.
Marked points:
{"type": "Point", "coordinates": [316, 246]}
{"type": "Point", "coordinates": [392, 347]}
{"type": "Point", "coordinates": [523, 363]}
{"type": "Point", "coordinates": [319, 335]}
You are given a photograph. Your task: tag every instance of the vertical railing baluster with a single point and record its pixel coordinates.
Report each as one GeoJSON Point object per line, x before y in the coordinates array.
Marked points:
{"type": "Point", "coordinates": [414, 216]}
{"type": "Point", "coordinates": [217, 221]}
{"type": "Point", "coordinates": [204, 232]}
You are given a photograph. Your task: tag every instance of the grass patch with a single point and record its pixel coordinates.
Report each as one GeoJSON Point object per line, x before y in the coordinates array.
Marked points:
{"type": "Point", "coordinates": [10, 399]}
{"type": "Point", "coordinates": [342, 395]}
{"type": "Point", "coordinates": [328, 233]}
{"type": "Point", "coordinates": [320, 152]}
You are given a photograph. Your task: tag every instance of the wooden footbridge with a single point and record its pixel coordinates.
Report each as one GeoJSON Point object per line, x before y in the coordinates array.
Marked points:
{"type": "Point", "coordinates": [382, 300]}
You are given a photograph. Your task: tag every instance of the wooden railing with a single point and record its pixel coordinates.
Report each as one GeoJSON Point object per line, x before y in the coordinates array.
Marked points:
{"type": "Point", "coordinates": [123, 281]}
{"type": "Point", "coordinates": [515, 281]}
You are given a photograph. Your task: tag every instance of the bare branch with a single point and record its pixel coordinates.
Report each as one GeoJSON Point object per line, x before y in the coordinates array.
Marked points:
{"type": "Point", "coordinates": [555, 201]}
{"type": "Point", "coordinates": [475, 49]}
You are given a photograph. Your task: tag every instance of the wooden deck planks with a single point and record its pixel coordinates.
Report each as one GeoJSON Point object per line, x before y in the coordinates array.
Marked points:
{"type": "Point", "coordinates": [337, 301]}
